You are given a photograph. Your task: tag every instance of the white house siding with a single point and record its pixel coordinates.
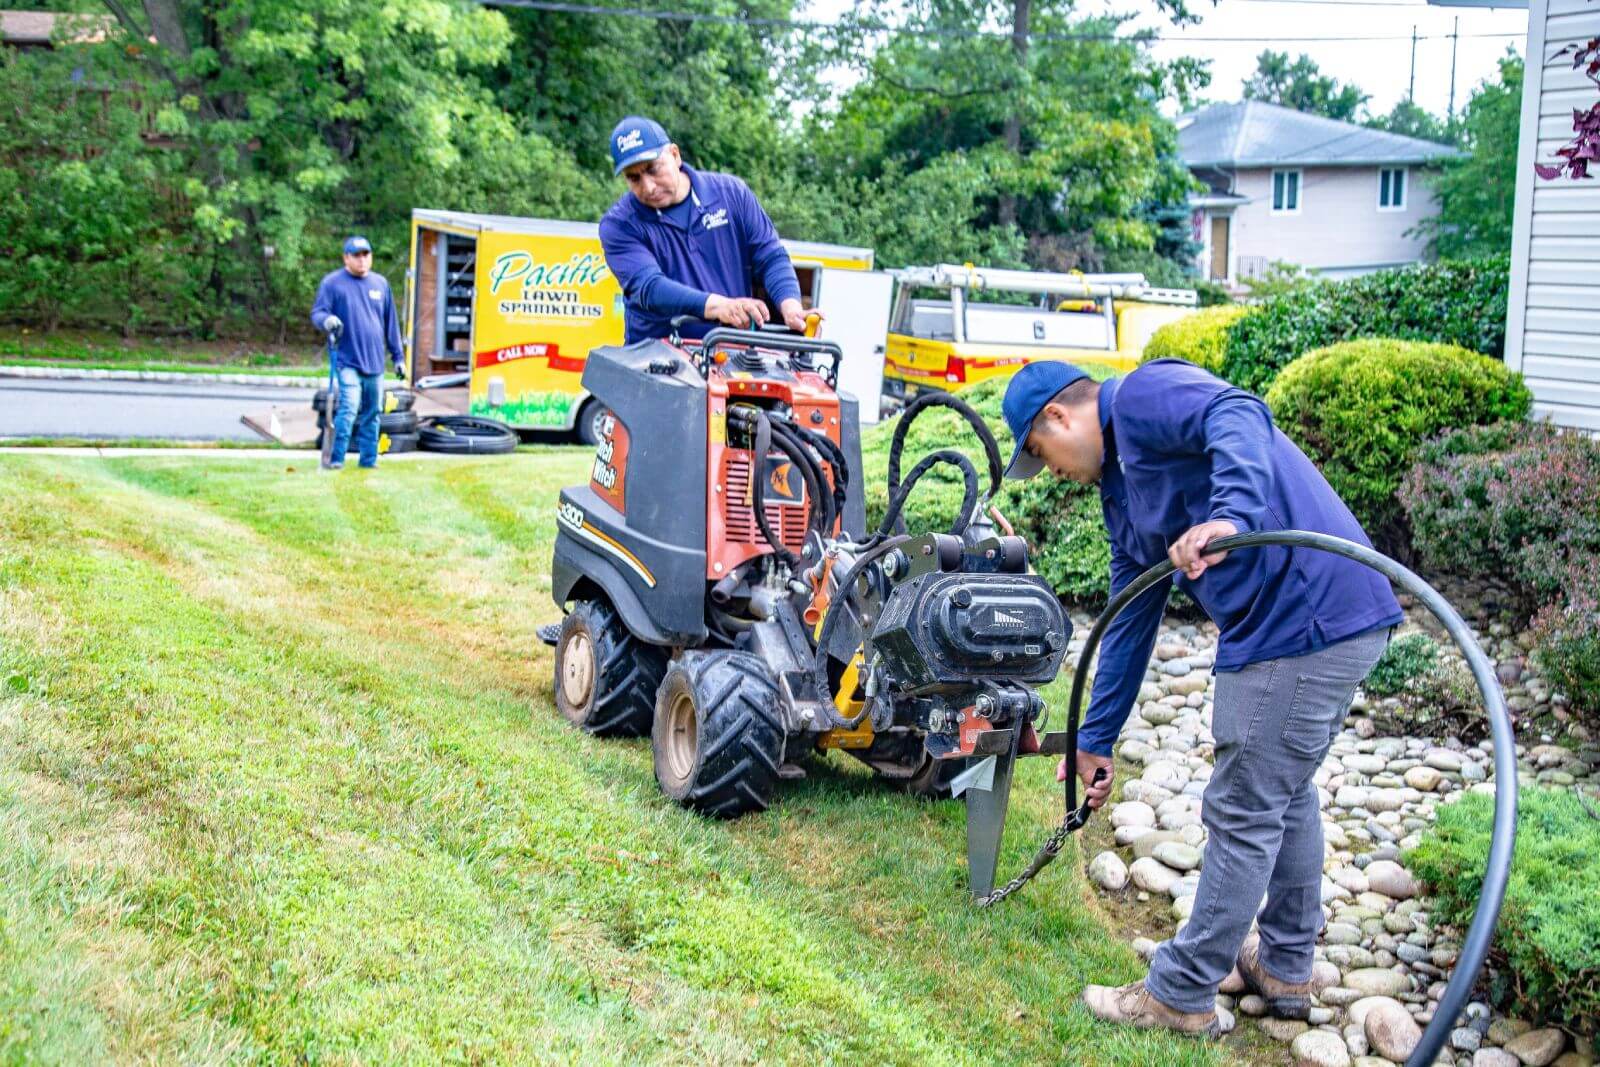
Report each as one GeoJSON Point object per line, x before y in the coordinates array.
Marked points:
{"type": "Point", "coordinates": [1339, 228]}
{"type": "Point", "coordinates": [1553, 321]}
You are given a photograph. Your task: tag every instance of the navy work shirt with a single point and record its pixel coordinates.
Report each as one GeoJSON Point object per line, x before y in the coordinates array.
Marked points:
{"type": "Point", "coordinates": [366, 307]}
{"type": "Point", "coordinates": [668, 262]}
{"type": "Point", "coordinates": [1183, 447]}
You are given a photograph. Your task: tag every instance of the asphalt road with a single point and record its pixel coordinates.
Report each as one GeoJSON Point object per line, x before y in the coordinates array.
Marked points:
{"type": "Point", "coordinates": [201, 411]}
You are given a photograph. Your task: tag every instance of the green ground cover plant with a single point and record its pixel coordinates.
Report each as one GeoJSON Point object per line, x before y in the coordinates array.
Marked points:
{"type": "Point", "coordinates": [1548, 940]}
{"type": "Point", "coordinates": [257, 804]}
{"type": "Point", "coordinates": [1362, 410]}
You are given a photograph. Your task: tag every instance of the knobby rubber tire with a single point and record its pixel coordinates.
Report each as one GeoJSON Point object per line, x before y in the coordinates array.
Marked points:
{"type": "Point", "coordinates": [739, 735]}
{"type": "Point", "coordinates": [625, 677]}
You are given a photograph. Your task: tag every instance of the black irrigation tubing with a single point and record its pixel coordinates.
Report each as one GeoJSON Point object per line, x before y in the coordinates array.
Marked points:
{"type": "Point", "coordinates": [1475, 947]}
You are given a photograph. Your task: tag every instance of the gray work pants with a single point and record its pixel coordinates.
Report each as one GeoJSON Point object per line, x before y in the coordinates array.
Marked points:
{"type": "Point", "coordinates": [1273, 722]}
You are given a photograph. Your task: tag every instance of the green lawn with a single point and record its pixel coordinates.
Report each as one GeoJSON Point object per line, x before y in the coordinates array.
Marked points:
{"type": "Point", "coordinates": [95, 350]}
{"type": "Point", "coordinates": [280, 780]}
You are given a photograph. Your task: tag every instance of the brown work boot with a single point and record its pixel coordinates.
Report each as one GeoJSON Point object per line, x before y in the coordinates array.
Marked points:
{"type": "Point", "coordinates": [1133, 1004]}
{"type": "Point", "coordinates": [1286, 1000]}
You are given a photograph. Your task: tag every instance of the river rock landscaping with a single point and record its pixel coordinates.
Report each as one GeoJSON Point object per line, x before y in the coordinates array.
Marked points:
{"type": "Point", "coordinates": [1382, 963]}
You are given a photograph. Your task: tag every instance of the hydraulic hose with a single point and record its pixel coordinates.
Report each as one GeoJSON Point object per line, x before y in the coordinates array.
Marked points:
{"type": "Point", "coordinates": [821, 507]}
{"type": "Point", "coordinates": [991, 447]}
{"type": "Point", "coordinates": [898, 497]}
{"type": "Point", "coordinates": [1475, 947]}
{"type": "Point", "coordinates": [819, 664]}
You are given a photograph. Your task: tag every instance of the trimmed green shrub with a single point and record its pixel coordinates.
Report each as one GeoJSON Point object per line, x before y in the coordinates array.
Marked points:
{"type": "Point", "coordinates": [1566, 639]}
{"type": "Point", "coordinates": [1520, 500]}
{"type": "Point", "coordinates": [1061, 520]}
{"type": "Point", "coordinates": [1362, 409]}
{"type": "Point", "coordinates": [1201, 337]}
{"type": "Point", "coordinates": [1460, 302]}
{"type": "Point", "coordinates": [1548, 941]}
{"type": "Point", "coordinates": [1407, 658]}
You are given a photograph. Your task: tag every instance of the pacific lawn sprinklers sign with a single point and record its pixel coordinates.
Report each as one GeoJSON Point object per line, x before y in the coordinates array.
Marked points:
{"type": "Point", "coordinates": [544, 303]}
{"type": "Point", "coordinates": [545, 290]}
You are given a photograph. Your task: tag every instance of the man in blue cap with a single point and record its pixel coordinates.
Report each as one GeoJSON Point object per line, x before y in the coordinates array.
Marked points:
{"type": "Point", "coordinates": [356, 307]}
{"type": "Point", "coordinates": [1182, 458]}
{"type": "Point", "coordinates": [688, 242]}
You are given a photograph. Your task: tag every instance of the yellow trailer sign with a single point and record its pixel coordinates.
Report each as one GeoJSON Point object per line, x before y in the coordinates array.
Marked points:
{"type": "Point", "coordinates": [517, 304]}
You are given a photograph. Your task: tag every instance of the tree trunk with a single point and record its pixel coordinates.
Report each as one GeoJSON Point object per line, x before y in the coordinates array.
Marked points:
{"type": "Point", "coordinates": [1021, 10]}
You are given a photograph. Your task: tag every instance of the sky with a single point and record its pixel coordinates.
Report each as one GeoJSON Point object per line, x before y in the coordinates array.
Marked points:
{"type": "Point", "coordinates": [1381, 68]}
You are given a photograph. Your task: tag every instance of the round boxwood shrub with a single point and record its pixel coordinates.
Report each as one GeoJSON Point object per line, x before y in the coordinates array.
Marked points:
{"type": "Point", "coordinates": [1362, 409]}
{"type": "Point", "coordinates": [1200, 337]}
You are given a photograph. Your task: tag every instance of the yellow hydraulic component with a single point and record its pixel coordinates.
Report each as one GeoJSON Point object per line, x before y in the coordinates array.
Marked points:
{"type": "Point", "coordinates": [845, 700]}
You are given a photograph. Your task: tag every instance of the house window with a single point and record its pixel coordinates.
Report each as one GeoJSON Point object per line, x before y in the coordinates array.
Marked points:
{"type": "Point", "coordinates": [1392, 189]}
{"type": "Point", "coordinates": [1286, 192]}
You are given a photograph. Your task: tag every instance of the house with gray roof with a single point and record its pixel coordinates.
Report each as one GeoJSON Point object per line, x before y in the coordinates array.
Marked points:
{"type": "Point", "coordinates": [1281, 185]}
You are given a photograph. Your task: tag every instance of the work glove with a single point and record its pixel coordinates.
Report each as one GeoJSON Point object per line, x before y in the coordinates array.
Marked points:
{"type": "Point", "coordinates": [333, 325]}
{"type": "Point", "coordinates": [400, 371]}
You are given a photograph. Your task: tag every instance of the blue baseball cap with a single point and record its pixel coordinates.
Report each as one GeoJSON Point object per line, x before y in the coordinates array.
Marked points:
{"type": "Point", "coordinates": [637, 140]}
{"type": "Point", "coordinates": [1029, 390]}
{"type": "Point", "coordinates": [356, 243]}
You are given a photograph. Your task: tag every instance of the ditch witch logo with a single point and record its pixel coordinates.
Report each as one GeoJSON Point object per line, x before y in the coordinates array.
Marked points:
{"type": "Point", "coordinates": [547, 290]}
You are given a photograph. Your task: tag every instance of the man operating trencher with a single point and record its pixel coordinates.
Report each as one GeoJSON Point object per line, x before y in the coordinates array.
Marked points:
{"type": "Point", "coordinates": [688, 242]}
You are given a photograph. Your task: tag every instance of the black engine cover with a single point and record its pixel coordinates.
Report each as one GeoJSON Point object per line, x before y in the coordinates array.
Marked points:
{"type": "Point", "coordinates": [944, 628]}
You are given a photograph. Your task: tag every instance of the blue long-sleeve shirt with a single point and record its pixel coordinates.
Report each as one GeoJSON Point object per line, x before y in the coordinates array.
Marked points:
{"type": "Point", "coordinates": [366, 307]}
{"type": "Point", "coordinates": [668, 262]}
{"type": "Point", "coordinates": [1183, 447]}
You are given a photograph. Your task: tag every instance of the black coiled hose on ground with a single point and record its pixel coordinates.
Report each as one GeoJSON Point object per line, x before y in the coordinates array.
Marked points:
{"type": "Point", "coordinates": [1475, 947]}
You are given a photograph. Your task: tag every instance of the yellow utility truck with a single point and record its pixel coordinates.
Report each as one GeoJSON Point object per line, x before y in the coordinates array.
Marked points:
{"type": "Point", "coordinates": [502, 312]}
{"type": "Point", "coordinates": [944, 334]}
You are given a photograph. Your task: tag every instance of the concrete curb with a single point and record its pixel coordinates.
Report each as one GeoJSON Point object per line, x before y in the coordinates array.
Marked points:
{"type": "Point", "coordinates": [265, 381]}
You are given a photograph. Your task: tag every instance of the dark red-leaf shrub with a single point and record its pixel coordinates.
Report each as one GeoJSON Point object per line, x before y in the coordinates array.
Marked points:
{"type": "Point", "coordinates": [1518, 500]}
{"type": "Point", "coordinates": [1584, 149]}
{"type": "Point", "coordinates": [1566, 638]}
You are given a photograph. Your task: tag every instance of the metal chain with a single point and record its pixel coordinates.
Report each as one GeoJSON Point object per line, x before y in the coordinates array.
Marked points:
{"type": "Point", "coordinates": [1053, 844]}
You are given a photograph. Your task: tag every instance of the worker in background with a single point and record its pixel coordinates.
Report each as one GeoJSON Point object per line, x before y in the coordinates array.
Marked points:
{"type": "Point", "coordinates": [356, 306]}
{"type": "Point", "coordinates": [1182, 458]}
{"type": "Point", "coordinates": [689, 242]}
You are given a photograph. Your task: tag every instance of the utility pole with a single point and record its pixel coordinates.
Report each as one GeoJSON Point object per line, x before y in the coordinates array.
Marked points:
{"type": "Point", "coordinates": [1411, 87]}
{"type": "Point", "coordinates": [1455, 39]}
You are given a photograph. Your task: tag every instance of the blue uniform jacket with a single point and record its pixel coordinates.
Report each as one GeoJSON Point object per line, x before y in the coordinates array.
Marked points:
{"type": "Point", "coordinates": [667, 270]}
{"type": "Point", "coordinates": [1184, 447]}
{"type": "Point", "coordinates": [366, 307]}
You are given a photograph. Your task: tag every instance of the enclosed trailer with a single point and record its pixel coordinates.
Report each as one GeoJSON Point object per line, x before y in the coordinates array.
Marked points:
{"type": "Point", "coordinates": [503, 312]}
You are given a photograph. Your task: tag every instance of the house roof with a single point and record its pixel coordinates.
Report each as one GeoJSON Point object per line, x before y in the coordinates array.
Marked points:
{"type": "Point", "coordinates": [1253, 133]}
{"type": "Point", "coordinates": [42, 28]}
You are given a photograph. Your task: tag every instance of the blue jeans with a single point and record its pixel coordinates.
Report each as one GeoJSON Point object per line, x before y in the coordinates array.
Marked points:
{"type": "Point", "coordinates": [369, 387]}
{"type": "Point", "coordinates": [1274, 722]}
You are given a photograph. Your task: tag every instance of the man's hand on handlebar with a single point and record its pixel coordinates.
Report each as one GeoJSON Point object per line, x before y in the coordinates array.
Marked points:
{"type": "Point", "coordinates": [1096, 793]}
{"type": "Point", "coordinates": [740, 312]}
{"type": "Point", "coordinates": [795, 315]}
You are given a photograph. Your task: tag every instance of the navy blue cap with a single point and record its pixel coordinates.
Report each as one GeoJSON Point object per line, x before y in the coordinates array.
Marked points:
{"type": "Point", "coordinates": [637, 140]}
{"type": "Point", "coordinates": [1029, 390]}
{"type": "Point", "coordinates": [356, 243]}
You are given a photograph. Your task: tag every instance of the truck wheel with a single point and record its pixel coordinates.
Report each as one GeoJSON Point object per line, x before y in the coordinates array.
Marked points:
{"type": "Point", "coordinates": [587, 425]}
{"type": "Point", "coordinates": [606, 679]}
{"type": "Point", "coordinates": [717, 739]}
{"type": "Point", "coordinates": [932, 780]}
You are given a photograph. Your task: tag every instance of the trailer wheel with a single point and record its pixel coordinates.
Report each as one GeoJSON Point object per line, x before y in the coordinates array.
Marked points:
{"type": "Point", "coordinates": [606, 679]}
{"type": "Point", "coordinates": [587, 425]}
{"type": "Point", "coordinates": [717, 739]}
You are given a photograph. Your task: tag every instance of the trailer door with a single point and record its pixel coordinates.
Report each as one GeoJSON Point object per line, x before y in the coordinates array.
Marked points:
{"type": "Point", "coordinates": [856, 303]}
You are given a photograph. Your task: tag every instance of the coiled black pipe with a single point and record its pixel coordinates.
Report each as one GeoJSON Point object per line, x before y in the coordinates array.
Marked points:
{"type": "Point", "coordinates": [1475, 947]}
{"type": "Point", "coordinates": [991, 447]}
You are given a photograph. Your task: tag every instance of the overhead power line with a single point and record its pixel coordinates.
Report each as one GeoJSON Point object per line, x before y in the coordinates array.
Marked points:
{"type": "Point", "coordinates": [563, 8]}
